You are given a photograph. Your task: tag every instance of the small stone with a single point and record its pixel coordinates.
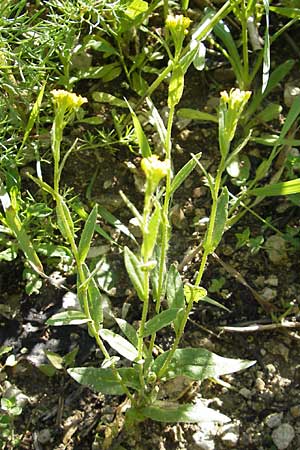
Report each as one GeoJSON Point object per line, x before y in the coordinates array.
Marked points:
{"type": "Point", "coordinates": [271, 369]}
{"type": "Point", "coordinates": [276, 249]}
{"type": "Point", "coordinates": [202, 444]}
{"type": "Point", "coordinates": [246, 393]}
{"type": "Point", "coordinates": [274, 420]}
{"type": "Point", "coordinates": [230, 439]}
{"type": "Point", "coordinates": [44, 436]}
{"type": "Point", "coordinates": [295, 410]}
{"type": "Point", "coordinates": [260, 385]}
{"type": "Point", "coordinates": [283, 436]}
{"type": "Point", "coordinates": [263, 352]}
{"type": "Point", "coordinates": [291, 91]}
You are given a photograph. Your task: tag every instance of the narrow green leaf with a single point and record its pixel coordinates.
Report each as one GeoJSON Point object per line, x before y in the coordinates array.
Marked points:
{"type": "Point", "coordinates": [214, 303]}
{"type": "Point", "coordinates": [193, 114]}
{"type": "Point", "coordinates": [176, 86]}
{"type": "Point", "coordinates": [184, 173]}
{"type": "Point", "coordinates": [165, 411]}
{"type": "Point", "coordinates": [118, 343]}
{"type": "Point", "coordinates": [222, 31]}
{"type": "Point", "coordinates": [141, 137]}
{"type": "Point", "coordinates": [64, 220]}
{"type": "Point", "coordinates": [194, 293]}
{"type": "Point", "coordinates": [150, 234]}
{"type": "Point", "coordinates": [104, 97]}
{"type": "Point", "coordinates": [160, 321]}
{"type": "Point", "coordinates": [157, 120]}
{"type": "Point", "coordinates": [175, 295]}
{"type": "Point", "coordinates": [24, 242]}
{"type": "Point", "coordinates": [104, 380]}
{"type": "Point", "coordinates": [135, 273]}
{"type": "Point", "coordinates": [135, 8]}
{"type": "Point", "coordinates": [87, 235]}
{"type": "Point", "coordinates": [199, 364]}
{"type": "Point", "coordinates": [128, 331]}
{"type": "Point", "coordinates": [68, 318]}
{"type": "Point", "coordinates": [220, 221]}
{"type": "Point", "coordinates": [115, 222]}
{"type": "Point", "coordinates": [95, 301]}
{"type": "Point", "coordinates": [267, 60]}
{"type": "Point", "coordinates": [33, 115]}
{"type": "Point", "coordinates": [292, 13]}
{"type": "Point", "coordinates": [272, 190]}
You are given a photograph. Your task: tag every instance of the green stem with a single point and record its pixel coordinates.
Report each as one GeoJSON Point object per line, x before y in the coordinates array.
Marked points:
{"type": "Point", "coordinates": [245, 49]}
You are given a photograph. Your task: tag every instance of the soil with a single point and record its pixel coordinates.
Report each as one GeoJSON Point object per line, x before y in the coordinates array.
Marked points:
{"type": "Point", "coordinates": [59, 414]}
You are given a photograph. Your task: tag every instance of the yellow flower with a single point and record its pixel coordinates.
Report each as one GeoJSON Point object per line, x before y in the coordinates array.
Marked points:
{"type": "Point", "coordinates": [155, 170]}
{"type": "Point", "coordinates": [68, 100]}
{"type": "Point", "coordinates": [178, 23]}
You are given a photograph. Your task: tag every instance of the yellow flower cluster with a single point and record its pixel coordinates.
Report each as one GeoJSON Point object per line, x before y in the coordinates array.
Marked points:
{"type": "Point", "coordinates": [178, 23]}
{"type": "Point", "coordinates": [154, 168]}
{"type": "Point", "coordinates": [236, 99]}
{"type": "Point", "coordinates": [68, 100]}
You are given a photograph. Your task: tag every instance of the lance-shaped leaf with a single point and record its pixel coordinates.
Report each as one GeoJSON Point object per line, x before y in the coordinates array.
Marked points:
{"type": "Point", "coordinates": [176, 86]}
{"type": "Point", "coordinates": [128, 331]}
{"type": "Point", "coordinates": [165, 411]}
{"type": "Point", "coordinates": [220, 220]}
{"type": "Point", "coordinates": [285, 188]}
{"type": "Point", "coordinates": [160, 321]}
{"type": "Point", "coordinates": [136, 275]}
{"type": "Point", "coordinates": [184, 173]}
{"type": "Point", "coordinates": [68, 318]}
{"type": "Point", "coordinates": [175, 295]}
{"type": "Point", "coordinates": [87, 235]}
{"type": "Point", "coordinates": [95, 301]}
{"type": "Point", "coordinates": [198, 364]}
{"type": "Point", "coordinates": [104, 380]}
{"type": "Point", "coordinates": [118, 343]}
{"type": "Point", "coordinates": [141, 137]}
{"type": "Point", "coordinates": [150, 235]}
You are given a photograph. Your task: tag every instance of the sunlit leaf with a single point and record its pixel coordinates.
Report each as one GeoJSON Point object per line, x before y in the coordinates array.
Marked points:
{"type": "Point", "coordinates": [136, 275]}
{"type": "Point", "coordinates": [194, 293]}
{"type": "Point", "coordinates": [118, 343]}
{"type": "Point", "coordinates": [104, 380]}
{"type": "Point", "coordinates": [184, 173]}
{"type": "Point", "coordinates": [68, 318]}
{"type": "Point", "coordinates": [165, 411]}
{"type": "Point", "coordinates": [198, 364]}
{"type": "Point", "coordinates": [176, 86]}
{"type": "Point", "coordinates": [87, 235]}
{"type": "Point", "coordinates": [160, 321]}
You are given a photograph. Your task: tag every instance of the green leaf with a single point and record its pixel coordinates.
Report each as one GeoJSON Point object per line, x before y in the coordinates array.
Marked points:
{"type": "Point", "coordinates": [115, 222]}
{"type": "Point", "coordinates": [135, 8]}
{"type": "Point", "coordinates": [64, 220]}
{"type": "Point", "coordinates": [176, 86]}
{"type": "Point", "coordinates": [272, 190]}
{"type": "Point", "coordinates": [193, 114]}
{"type": "Point", "coordinates": [214, 303]}
{"type": "Point", "coordinates": [222, 31]}
{"type": "Point", "coordinates": [128, 331]}
{"type": "Point", "coordinates": [194, 293]}
{"type": "Point", "coordinates": [104, 97]}
{"type": "Point", "coordinates": [220, 221]}
{"type": "Point", "coordinates": [5, 349]}
{"type": "Point", "coordinates": [184, 173]}
{"type": "Point", "coordinates": [55, 359]}
{"type": "Point", "coordinates": [165, 411]}
{"type": "Point", "coordinates": [118, 343]}
{"type": "Point", "coordinates": [150, 234]}
{"type": "Point", "coordinates": [69, 317]}
{"type": "Point", "coordinates": [33, 116]}
{"type": "Point", "coordinates": [267, 60]}
{"type": "Point", "coordinates": [160, 321]}
{"type": "Point", "coordinates": [141, 137]}
{"type": "Point", "coordinates": [175, 295]}
{"type": "Point", "coordinates": [107, 73]}
{"type": "Point", "coordinates": [87, 235]}
{"type": "Point", "coordinates": [198, 364]}
{"type": "Point", "coordinates": [104, 380]}
{"type": "Point", "coordinates": [136, 275]}
{"type": "Point", "coordinates": [94, 301]}
{"type": "Point", "coordinates": [292, 13]}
